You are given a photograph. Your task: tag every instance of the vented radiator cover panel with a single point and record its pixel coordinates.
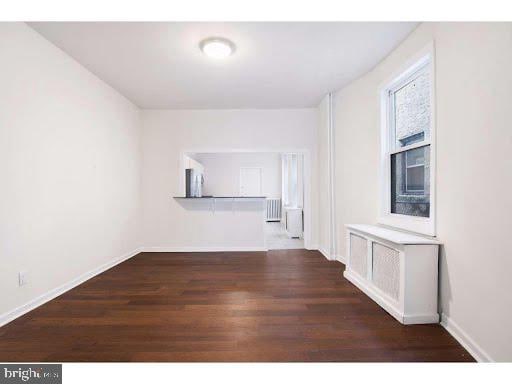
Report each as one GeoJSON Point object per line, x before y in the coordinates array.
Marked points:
{"type": "Point", "coordinates": [386, 270]}
{"type": "Point", "coordinates": [273, 212]}
{"type": "Point", "coordinates": [358, 254]}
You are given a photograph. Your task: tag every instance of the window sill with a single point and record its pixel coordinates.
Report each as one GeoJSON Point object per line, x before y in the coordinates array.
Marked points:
{"type": "Point", "coordinates": [416, 224]}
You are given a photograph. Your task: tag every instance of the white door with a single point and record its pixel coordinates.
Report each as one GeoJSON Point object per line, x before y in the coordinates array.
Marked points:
{"type": "Point", "coordinates": [250, 181]}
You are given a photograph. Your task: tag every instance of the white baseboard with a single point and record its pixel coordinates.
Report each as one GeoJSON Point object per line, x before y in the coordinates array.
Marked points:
{"type": "Point", "coordinates": [325, 253]}
{"type": "Point", "coordinates": [465, 340]}
{"type": "Point", "coordinates": [341, 259]}
{"type": "Point", "coordinates": [52, 294]}
{"type": "Point", "coordinates": [330, 257]}
{"type": "Point", "coordinates": [310, 247]}
{"type": "Point", "coordinates": [204, 249]}
{"type": "Point", "coordinates": [421, 318]}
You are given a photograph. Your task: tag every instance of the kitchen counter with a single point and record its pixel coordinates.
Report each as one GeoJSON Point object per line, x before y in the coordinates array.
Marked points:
{"type": "Point", "coordinates": [221, 197]}
{"type": "Point", "coordinates": [222, 203]}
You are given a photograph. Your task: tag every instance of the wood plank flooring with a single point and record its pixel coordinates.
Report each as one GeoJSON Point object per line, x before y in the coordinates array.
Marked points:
{"type": "Point", "coordinates": [290, 305]}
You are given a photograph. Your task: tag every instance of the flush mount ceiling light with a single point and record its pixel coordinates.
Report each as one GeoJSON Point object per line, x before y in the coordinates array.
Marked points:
{"type": "Point", "coordinates": [217, 47]}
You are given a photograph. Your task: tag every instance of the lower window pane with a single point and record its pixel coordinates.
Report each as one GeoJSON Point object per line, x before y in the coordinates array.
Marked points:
{"type": "Point", "coordinates": [410, 182]}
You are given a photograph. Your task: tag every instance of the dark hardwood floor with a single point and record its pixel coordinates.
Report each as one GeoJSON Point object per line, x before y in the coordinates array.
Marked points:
{"type": "Point", "coordinates": [253, 306]}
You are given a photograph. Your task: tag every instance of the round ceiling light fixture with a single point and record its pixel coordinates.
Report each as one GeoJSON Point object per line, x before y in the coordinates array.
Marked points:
{"type": "Point", "coordinates": [217, 47]}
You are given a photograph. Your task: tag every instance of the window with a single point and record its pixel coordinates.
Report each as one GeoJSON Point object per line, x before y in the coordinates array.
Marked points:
{"type": "Point", "coordinates": [407, 142]}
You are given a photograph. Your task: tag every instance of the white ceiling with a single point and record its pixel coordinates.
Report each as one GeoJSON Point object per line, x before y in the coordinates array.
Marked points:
{"type": "Point", "coordinates": [276, 65]}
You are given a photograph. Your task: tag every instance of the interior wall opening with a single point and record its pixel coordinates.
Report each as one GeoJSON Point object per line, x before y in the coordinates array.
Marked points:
{"type": "Point", "coordinates": [276, 178]}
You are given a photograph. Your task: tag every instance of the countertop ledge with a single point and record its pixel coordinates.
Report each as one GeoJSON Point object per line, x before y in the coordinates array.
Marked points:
{"type": "Point", "coordinates": [221, 197]}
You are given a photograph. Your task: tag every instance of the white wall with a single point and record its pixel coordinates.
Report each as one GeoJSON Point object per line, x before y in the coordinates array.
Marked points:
{"type": "Point", "coordinates": [474, 145]}
{"type": "Point", "coordinates": [169, 133]}
{"type": "Point", "coordinates": [222, 172]}
{"type": "Point", "coordinates": [191, 162]}
{"type": "Point", "coordinates": [70, 166]}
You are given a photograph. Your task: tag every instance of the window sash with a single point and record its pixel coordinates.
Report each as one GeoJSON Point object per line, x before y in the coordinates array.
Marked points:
{"type": "Point", "coordinates": [425, 67]}
{"type": "Point", "coordinates": [405, 149]}
{"type": "Point", "coordinates": [409, 147]}
{"type": "Point", "coordinates": [404, 201]}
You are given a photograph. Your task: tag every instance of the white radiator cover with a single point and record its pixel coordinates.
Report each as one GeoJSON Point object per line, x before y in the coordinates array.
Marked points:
{"type": "Point", "coordinates": [359, 254]}
{"type": "Point", "coordinates": [273, 210]}
{"type": "Point", "coordinates": [293, 224]}
{"type": "Point", "coordinates": [400, 272]}
{"type": "Point", "coordinates": [386, 269]}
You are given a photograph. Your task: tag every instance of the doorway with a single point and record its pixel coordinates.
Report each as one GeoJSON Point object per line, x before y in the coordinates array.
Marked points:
{"type": "Point", "coordinates": [233, 175]}
{"type": "Point", "coordinates": [287, 230]}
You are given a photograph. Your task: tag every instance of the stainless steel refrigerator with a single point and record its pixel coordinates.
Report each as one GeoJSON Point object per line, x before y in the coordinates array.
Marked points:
{"type": "Point", "coordinates": [194, 180]}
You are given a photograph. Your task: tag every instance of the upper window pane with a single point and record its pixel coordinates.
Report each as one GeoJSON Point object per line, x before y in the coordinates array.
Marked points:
{"type": "Point", "coordinates": [411, 110]}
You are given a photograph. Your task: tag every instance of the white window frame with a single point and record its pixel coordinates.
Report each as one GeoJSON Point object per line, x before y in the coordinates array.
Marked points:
{"type": "Point", "coordinates": [422, 225]}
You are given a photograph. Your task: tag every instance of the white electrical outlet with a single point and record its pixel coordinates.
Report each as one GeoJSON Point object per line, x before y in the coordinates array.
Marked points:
{"type": "Point", "coordinates": [22, 278]}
